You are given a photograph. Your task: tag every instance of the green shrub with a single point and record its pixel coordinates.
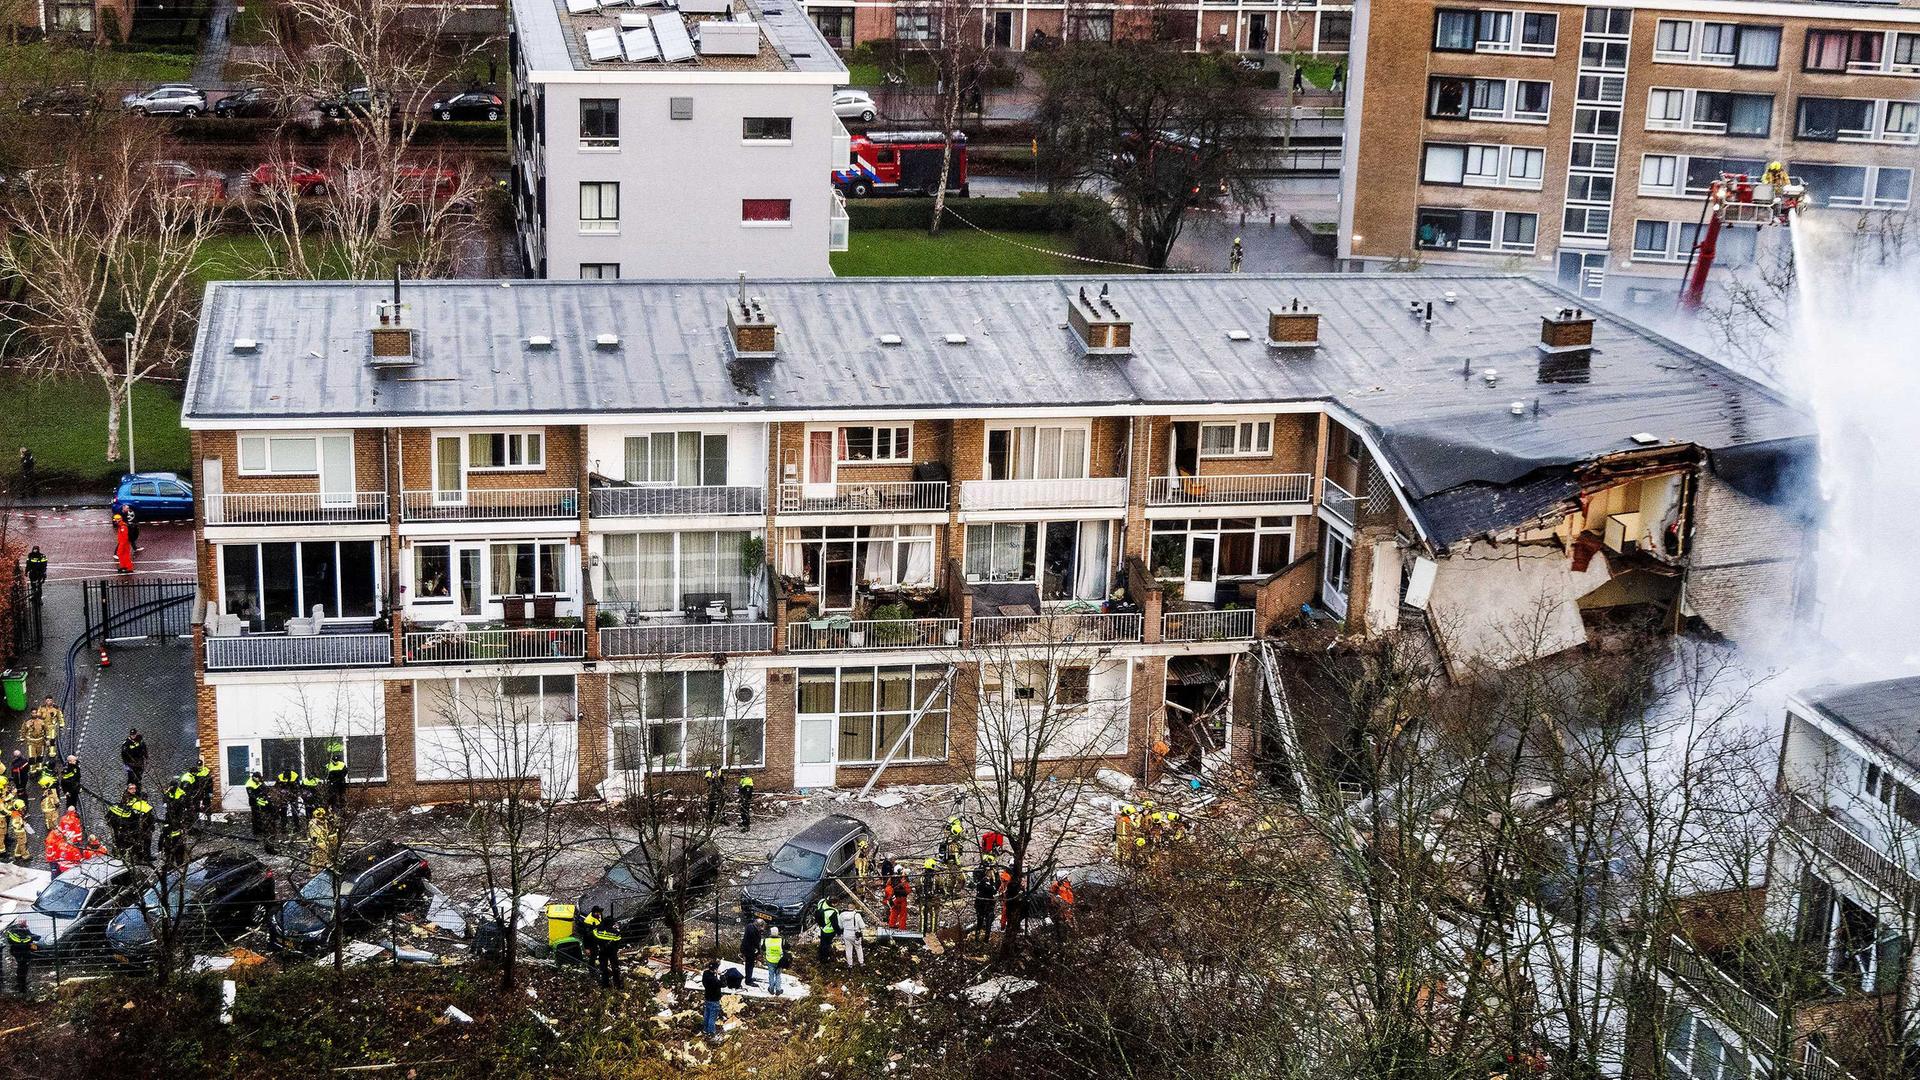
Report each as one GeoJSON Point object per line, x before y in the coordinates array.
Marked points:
{"type": "Point", "coordinates": [1021, 214]}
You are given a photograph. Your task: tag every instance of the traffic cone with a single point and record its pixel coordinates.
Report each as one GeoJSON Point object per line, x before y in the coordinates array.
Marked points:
{"type": "Point", "coordinates": [104, 662]}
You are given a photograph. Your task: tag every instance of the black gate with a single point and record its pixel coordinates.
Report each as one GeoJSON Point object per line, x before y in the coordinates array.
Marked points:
{"type": "Point", "coordinates": [129, 610]}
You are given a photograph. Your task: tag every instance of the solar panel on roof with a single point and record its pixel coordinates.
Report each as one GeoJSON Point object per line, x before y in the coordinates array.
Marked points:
{"type": "Point", "coordinates": [581, 7]}
{"type": "Point", "coordinates": [639, 46]}
{"type": "Point", "coordinates": [603, 44]}
{"type": "Point", "coordinates": [612, 3]}
{"type": "Point", "coordinates": [634, 19]}
{"type": "Point", "coordinates": [675, 45]}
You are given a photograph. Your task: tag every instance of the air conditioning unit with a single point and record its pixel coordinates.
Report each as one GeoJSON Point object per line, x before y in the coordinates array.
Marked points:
{"type": "Point", "coordinates": [1624, 532]}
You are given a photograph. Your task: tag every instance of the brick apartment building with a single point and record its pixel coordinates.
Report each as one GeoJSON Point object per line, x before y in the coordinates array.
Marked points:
{"type": "Point", "coordinates": [1248, 26]}
{"type": "Point", "coordinates": [779, 523]}
{"type": "Point", "coordinates": [1579, 141]}
{"type": "Point", "coordinates": [78, 18]}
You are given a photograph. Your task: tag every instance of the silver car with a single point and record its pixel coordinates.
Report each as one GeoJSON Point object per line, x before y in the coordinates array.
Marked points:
{"type": "Point", "coordinates": [854, 105]}
{"type": "Point", "coordinates": [172, 99]}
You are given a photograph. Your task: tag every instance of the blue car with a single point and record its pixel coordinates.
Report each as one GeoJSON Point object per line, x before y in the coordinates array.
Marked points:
{"type": "Point", "coordinates": [155, 496]}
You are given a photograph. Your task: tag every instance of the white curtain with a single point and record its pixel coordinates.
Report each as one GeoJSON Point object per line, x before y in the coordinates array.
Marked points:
{"type": "Point", "coordinates": [1090, 577]}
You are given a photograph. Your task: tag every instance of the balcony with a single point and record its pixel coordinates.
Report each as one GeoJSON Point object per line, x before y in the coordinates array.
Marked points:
{"type": "Point", "coordinates": [835, 635]}
{"type": "Point", "coordinates": [268, 652]}
{"type": "Point", "coordinates": [1827, 835]}
{"type": "Point", "coordinates": [1262, 489]}
{"type": "Point", "coordinates": [669, 638]}
{"type": "Point", "coordinates": [839, 225]}
{"type": "Point", "coordinates": [297, 508]}
{"type": "Point", "coordinates": [886, 496]}
{"type": "Point", "coordinates": [706, 501]}
{"type": "Point", "coordinates": [526, 644]}
{"type": "Point", "coordinates": [1235, 624]}
{"type": "Point", "coordinates": [1056, 629]}
{"type": "Point", "coordinates": [1068, 493]}
{"type": "Point", "coordinates": [1337, 501]}
{"type": "Point", "coordinates": [491, 504]}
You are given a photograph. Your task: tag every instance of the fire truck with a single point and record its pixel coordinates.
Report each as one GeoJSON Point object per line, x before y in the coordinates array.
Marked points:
{"type": "Point", "coordinates": [901, 163]}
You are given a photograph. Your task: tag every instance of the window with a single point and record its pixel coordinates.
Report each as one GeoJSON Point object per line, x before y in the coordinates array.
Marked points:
{"type": "Point", "coordinates": [1589, 154]}
{"type": "Point", "coordinates": [1608, 22]}
{"type": "Point", "coordinates": [1586, 221]}
{"type": "Point", "coordinates": [670, 720]}
{"type": "Point", "coordinates": [1666, 108]}
{"type": "Point", "coordinates": [1069, 560]}
{"type": "Point", "coordinates": [677, 459]}
{"type": "Point", "coordinates": [837, 558]}
{"type": "Point", "coordinates": [1090, 26]}
{"type": "Point", "coordinates": [766, 129]}
{"type": "Point", "coordinates": [1659, 173]}
{"type": "Point", "coordinates": [1246, 438]}
{"type": "Point", "coordinates": [500, 451]}
{"type": "Point", "coordinates": [528, 567]}
{"type": "Point", "coordinates": [1673, 36]}
{"type": "Point", "coordinates": [1336, 30]}
{"type": "Point", "coordinates": [1905, 57]}
{"type": "Point", "coordinates": [1827, 50]}
{"type": "Point", "coordinates": [1495, 32]}
{"type": "Point", "coordinates": [1453, 31]}
{"type": "Point", "coordinates": [766, 211]}
{"type": "Point", "coordinates": [1247, 547]}
{"type": "Point", "coordinates": [295, 455]}
{"type": "Point", "coordinates": [1483, 165]}
{"type": "Point", "coordinates": [1588, 120]}
{"type": "Point", "coordinates": [1833, 119]}
{"type": "Point", "coordinates": [873, 445]}
{"type": "Point", "coordinates": [267, 584]}
{"type": "Point", "coordinates": [912, 25]}
{"type": "Point", "coordinates": [1519, 100]}
{"type": "Point", "coordinates": [1517, 231]}
{"type": "Point", "coordinates": [1036, 452]}
{"type": "Point", "coordinates": [1833, 185]}
{"type": "Point", "coordinates": [1863, 50]}
{"type": "Point", "coordinates": [365, 756]}
{"type": "Point", "coordinates": [599, 271]}
{"type": "Point", "coordinates": [874, 706]}
{"type": "Point", "coordinates": [1901, 122]}
{"type": "Point", "coordinates": [1757, 47]}
{"type": "Point", "coordinates": [1650, 240]}
{"type": "Point", "coordinates": [1696, 1050]}
{"type": "Point", "coordinates": [495, 727]}
{"type": "Point", "coordinates": [599, 206]}
{"type": "Point", "coordinates": [1444, 164]}
{"type": "Point", "coordinates": [74, 15]}
{"type": "Point", "coordinates": [1589, 187]}
{"type": "Point", "coordinates": [657, 572]}
{"type": "Point", "coordinates": [1445, 229]}
{"type": "Point", "coordinates": [1539, 31]}
{"type": "Point", "coordinates": [1600, 89]}
{"type": "Point", "coordinates": [1861, 953]}
{"type": "Point", "coordinates": [1892, 188]}
{"type": "Point", "coordinates": [1744, 115]}
{"type": "Point", "coordinates": [599, 122]}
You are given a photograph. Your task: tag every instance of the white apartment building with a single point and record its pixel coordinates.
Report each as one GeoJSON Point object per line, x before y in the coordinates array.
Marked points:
{"type": "Point", "coordinates": [653, 142]}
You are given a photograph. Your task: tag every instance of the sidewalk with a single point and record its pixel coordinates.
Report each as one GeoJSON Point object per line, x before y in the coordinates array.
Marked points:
{"type": "Point", "coordinates": [213, 48]}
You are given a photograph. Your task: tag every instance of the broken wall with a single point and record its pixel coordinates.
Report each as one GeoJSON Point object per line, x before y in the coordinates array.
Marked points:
{"type": "Point", "coordinates": [1504, 604]}
{"type": "Point", "coordinates": [1747, 558]}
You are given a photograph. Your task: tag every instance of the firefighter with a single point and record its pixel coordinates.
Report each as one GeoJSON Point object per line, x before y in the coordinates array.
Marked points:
{"type": "Point", "coordinates": [34, 734]}
{"type": "Point", "coordinates": [1063, 901]}
{"type": "Point", "coordinates": [336, 777]}
{"type": "Point", "coordinates": [17, 833]}
{"type": "Point", "coordinates": [1234, 256]}
{"type": "Point", "coordinates": [325, 840]}
{"type": "Point", "coordinates": [606, 950]}
{"type": "Point", "coordinates": [897, 892]}
{"type": "Point", "coordinates": [70, 781]}
{"type": "Point", "coordinates": [929, 897]}
{"type": "Point", "coordinates": [746, 802]}
{"type": "Point", "coordinates": [50, 808]}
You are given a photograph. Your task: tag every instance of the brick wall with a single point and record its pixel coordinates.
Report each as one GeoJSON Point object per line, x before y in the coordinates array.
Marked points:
{"type": "Point", "coordinates": [562, 445]}
{"type": "Point", "coordinates": [590, 699]}
{"type": "Point", "coordinates": [1146, 724]}
{"type": "Point", "coordinates": [782, 687]}
{"type": "Point", "coordinates": [369, 466]}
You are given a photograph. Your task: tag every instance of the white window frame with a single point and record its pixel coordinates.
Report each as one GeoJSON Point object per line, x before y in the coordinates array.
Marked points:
{"type": "Point", "coordinates": [1245, 438]}
{"type": "Point", "coordinates": [1671, 113]}
{"type": "Point", "coordinates": [569, 560]}
{"type": "Point", "coordinates": [916, 672]}
{"type": "Point", "coordinates": [600, 223]}
{"type": "Point", "coordinates": [1496, 237]}
{"type": "Point", "coordinates": [889, 543]}
{"type": "Point", "coordinates": [899, 442]}
{"type": "Point", "coordinates": [1676, 179]}
{"type": "Point", "coordinates": [265, 441]}
{"type": "Point", "coordinates": [614, 591]}
{"type": "Point", "coordinates": [1084, 464]}
{"type": "Point", "coordinates": [629, 713]}
{"type": "Point", "coordinates": [1509, 111]}
{"type": "Point", "coordinates": [522, 439]}
{"type": "Point", "coordinates": [304, 606]}
{"type": "Point", "coordinates": [437, 769]}
{"type": "Point", "coordinates": [672, 458]}
{"type": "Point", "coordinates": [1587, 229]}
{"type": "Point", "coordinates": [1515, 31]}
{"type": "Point", "coordinates": [592, 144]}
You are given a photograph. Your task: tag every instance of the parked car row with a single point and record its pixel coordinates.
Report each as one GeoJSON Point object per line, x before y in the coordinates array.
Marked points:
{"type": "Point", "coordinates": [248, 103]}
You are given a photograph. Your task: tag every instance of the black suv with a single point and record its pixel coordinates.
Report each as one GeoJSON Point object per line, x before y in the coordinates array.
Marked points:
{"type": "Point", "coordinates": [804, 868]}
{"type": "Point", "coordinates": [376, 881]}
{"type": "Point", "coordinates": [250, 103]}
{"type": "Point", "coordinates": [633, 893]}
{"type": "Point", "coordinates": [72, 99]}
{"type": "Point", "coordinates": [214, 899]}
{"type": "Point", "coordinates": [357, 102]}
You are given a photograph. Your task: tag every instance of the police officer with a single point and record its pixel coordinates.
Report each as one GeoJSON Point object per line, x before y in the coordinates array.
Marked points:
{"type": "Point", "coordinates": [746, 802]}
{"type": "Point", "coordinates": [751, 935]}
{"type": "Point", "coordinates": [173, 846]}
{"type": "Point", "coordinates": [716, 791]}
{"type": "Point", "coordinates": [179, 800]}
{"type": "Point", "coordinates": [21, 943]}
{"type": "Point", "coordinates": [929, 898]}
{"type": "Point", "coordinates": [36, 573]}
{"type": "Point", "coordinates": [202, 787]}
{"type": "Point", "coordinates": [606, 951]}
{"type": "Point", "coordinates": [260, 807]}
{"type": "Point", "coordinates": [985, 888]}
{"type": "Point", "coordinates": [336, 779]}
{"type": "Point", "coordinates": [829, 923]}
{"type": "Point", "coordinates": [133, 755]}
{"type": "Point", "coordinates": [583, 929]}
{"type": "Point", "coordinates": [286, 792]}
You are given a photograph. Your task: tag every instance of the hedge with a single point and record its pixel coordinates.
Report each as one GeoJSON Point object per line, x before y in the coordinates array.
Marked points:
{"type": "Point", "coordinates": [1037, 214]}
{"type": "Point", "coordinates": [209, 131]}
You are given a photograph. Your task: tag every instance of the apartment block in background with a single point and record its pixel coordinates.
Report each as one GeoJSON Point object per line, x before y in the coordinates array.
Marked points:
{"type": "Point", "coordinates": [670, 143]}
{"type": "Point", "coordinates": [806, 526]}
{"type": "Point", "coordinates": [1579, 141]}
{"type": "Point", "coordinates": [1319, 27]}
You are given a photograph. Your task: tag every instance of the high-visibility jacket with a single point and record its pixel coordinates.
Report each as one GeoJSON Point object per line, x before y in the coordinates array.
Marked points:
{"type": "Point", "coordinates": [20, 938]}
{"type": "Point", "coordinates": [336, 771]}
{"type": "Point", "coordinates": [771, 949]}
{"type": "Point", "coordinates": [289, 777]}
{"type": "Point", "coordinates": [120, 811]}
{"type": "Point", "coordinates": [604, 935]}
{"type": "Point", "coordinates": [746, 783]}
{"type": "Point", "coordinates": [829, 919]}
{"type": "Point", "coordinates": [591, 924]}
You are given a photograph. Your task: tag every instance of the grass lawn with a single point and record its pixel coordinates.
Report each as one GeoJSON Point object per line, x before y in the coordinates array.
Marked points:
{"type": "Point", "coordinates": [64, 420]}
{"type": "Point", "coordinates": [957, 250]}
{"type": "Point", "coordinates": [39, 63]}
{"type": "Point", "coordinates": [243, 256]}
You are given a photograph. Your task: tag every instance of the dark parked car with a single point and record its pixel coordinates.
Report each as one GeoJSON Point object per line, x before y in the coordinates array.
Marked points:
{"type": "Point", "coordinates": [376, 882]}
{"type": "Point", "coordinates": [355, 102]}
{"type": "Point", "coordinates": [73, 99]}
{"type": "Point", "coordinates": [250, 103]}
{"type": "Point", "coordinates": [214, 899]}
{"type": "Point", "coordinates": [155, 496]}
{"type": "Point", "coordinates": [71, 913]}
{"type": "Point", "coordinates": [472, 105]}
{"type": "Point", "coordinates": [633, 893]}
{"type": "Point", "coordinates": [804, 868]}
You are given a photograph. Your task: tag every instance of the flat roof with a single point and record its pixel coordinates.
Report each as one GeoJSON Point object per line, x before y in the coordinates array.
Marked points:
{"type": "Point", "coordinates": [1884, 714]}
{"type": "Point", "coordinates": [1422, 392]}
{"type": "Point", "coordinates": [554, 39]}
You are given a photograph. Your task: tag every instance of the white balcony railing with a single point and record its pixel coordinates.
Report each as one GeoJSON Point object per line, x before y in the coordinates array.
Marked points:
{"type": "Point", "coordinates": [830, 636]}
{"type": "Point", "coordinates": [664, 501]}
{"type": "Point", "coordinates": [255, 652]}
{"type": "Point", "coordinates": [1056, 629]}
{"type": "Point", "coordinates": [296, 508]}
{"type": "Point", "coordinates": [884, 496]}
{"type": "Point", "coordinates": [1337, 500]}
{"type": "Point", "coordinates": [1065, 493]}
{"type": "Point", "coordinates": [490, 504]}
{"type": "Point", "coordinates": [1215, 490]}
{"type": "Point", "coordinates": [668, 639]}
{"type": "Point", "coordinates": [839, 225]}
{"type": "Point", "coordinates": [495, 646]}
{"type": "Point", "coordinates": [1230, 625]}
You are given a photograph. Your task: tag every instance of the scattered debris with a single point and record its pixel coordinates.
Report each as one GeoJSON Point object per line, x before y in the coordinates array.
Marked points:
{"type": "Point", "coordinates": [545, 1021]}
{"type": "Point", "coordinates": [453, 1013]}
{"type": "Point", "coordinates": [228, 992]}
{"type": "Point", "coordinates": [909, 986]}
{"type": "Point", "coordinates": [1114, 781]}
{"type": "Point", "coordinates": [359, 952]}
{"type": "Point", "coordinates": [889, 800]}
{"type": "Point", "coordinates": [210, 963]}
{"type": "Point", "coordinates": [442, 913]}
{"type": "Point", "coordinates": [1000, 986]}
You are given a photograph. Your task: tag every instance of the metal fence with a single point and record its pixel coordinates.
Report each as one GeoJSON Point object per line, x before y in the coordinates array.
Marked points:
{"type": "Point", "coordinates": [128, 610]}
{"type": "Point", "coordinates": [1229, 625]}
{"type": "Point", "coordinates": [879, 495]}
{"type": "Point", "coordinates": [1056, 629]}
{"type": "Point", "coordinates": [666, 639]}
{"type": "Point", "coordinates": [269, 651]}
{"type": "Point", "coordinates": [1245, 489]}
{"type": "Point", "coordinates": [708, 500]}
{"type": "Point", "coordinates": [872, 634]}
{"type": "Point", "coordinates": [495, 646]}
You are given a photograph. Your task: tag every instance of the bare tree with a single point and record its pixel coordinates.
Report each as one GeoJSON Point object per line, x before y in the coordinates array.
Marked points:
{"type": "Point", "coordinates": [960, 64]}
{"type": "Point", "coordinates": [103, 250]}
{"type": "Point", "coordinates": [1049, 713]}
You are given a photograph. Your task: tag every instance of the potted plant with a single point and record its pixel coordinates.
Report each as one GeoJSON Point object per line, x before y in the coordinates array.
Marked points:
{"type": "Point", "coordinates": [893, 624]}
{"type": "Point", "coordinates": [753, 564]}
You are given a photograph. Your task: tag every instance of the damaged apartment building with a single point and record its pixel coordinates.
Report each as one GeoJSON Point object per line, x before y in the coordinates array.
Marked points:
{"type": "Point", "coordinates": [822, 529]}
